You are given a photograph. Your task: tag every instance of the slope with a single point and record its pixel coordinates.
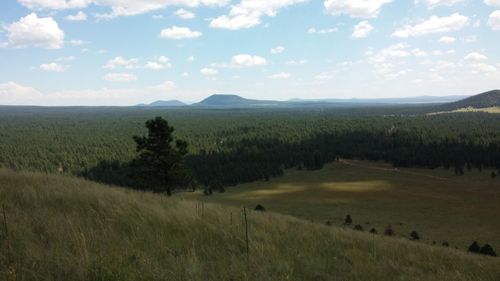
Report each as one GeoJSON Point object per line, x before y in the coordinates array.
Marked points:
{"type": "Point", "coordinates": [63, 228]}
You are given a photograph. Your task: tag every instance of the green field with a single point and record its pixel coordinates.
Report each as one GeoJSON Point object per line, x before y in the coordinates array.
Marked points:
{"type": "Point", "coordinates": [435, 203]}
{"type": "Point", "coordinates": [62, 228]}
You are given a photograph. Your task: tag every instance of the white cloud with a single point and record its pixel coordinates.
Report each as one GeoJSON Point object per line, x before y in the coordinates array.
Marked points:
{"type": "Point", "coordinates": [185, 14]}
{"type": "Point", "coordinates": [281, 75]}
{"type": "Point", "coordinates": [120, 77]}
{"type": "Point", "coordinates": [494, 20]}
{"type": "Point", "coordinates": [247, 61]}
{"type": "Point", "coordinates": [399, 50]}
{"type": "Point", "coordinates": [447, 39]}
{"type": "Point", "coordinates": [52, 67]}
{"type": "Point", "coordinates": [355, 8]}
{"type": "Point", "coordinates": [313, 30]}
{"type": "Point", "coordinates": [483, 68]}
{"type": "Point", "coordinates": [80, 16]}
{"type": "Point", "coordinates": [178, 33]}
{"type": "Point", "coordinates": [433, 25]}
{"type": "Point", "coordinates": [296, 62]}
{"type": "Point", "coordinates": [209, 71]}
{"type": "Point", "coordinates": [325, 75]}
{"type": "Point", "coordinates": [434, 3]}
{"type": "Point", "coordinates": [34, 31]}
{"type": "Point", "coordinates": [361, 30]}
{"type": "Point", "coordinates": [76, 42]}
{"type": "Point", "coordinates": [161, 62]}
{"type": "Point", "coordinates": [248, 13]}
{"type": "Point", "coordinates": [166, 86]}
{"type": "Point", "coordinates": [119, 61]}
{"type": "Point", "coordinates": [157, 17]}
{"type": "Point", "coordinates": [190, 59]}
{"type": "Point", "coordinates": [475, 57]}
{"type": "Point", "coordinates": [154, 65]}
{"type": "Point", "coordinates": [12, 93]}
{"type": "Point", "coordinates": [492, 3]}
{"type": "Point", "coordinates": [119, 7]}
{"type": "Point", "coordinates": [277, 50]}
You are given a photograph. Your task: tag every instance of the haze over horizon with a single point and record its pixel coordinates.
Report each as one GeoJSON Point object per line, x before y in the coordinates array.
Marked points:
{"type": "Point", "coordinates": [124, 52]}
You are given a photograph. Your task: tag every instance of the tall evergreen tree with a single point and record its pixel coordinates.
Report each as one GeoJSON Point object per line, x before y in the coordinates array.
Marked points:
{"type": "Point", "coordinates": [159, 166]}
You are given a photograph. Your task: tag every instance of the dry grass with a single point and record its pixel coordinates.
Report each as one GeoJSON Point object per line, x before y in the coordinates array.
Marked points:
{"type": "Point", "coordinates": [435, 203]}
{"type": "Point", "coordinates": [494, 109]}
{"type": "Point", "coordinates": [69, 229]}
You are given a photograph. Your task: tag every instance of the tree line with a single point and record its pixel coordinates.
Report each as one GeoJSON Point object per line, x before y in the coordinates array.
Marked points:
{"type": "Point", "coordinates": [255, 159]}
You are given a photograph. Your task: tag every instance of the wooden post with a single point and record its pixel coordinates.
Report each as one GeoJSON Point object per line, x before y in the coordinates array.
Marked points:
{"type": "Point", "coordinates": [374, 250]}
{"type": "Point", "coordinates": [202, 209]}
{"type": "Point", "coordinates": [246, 234]}
{"type": "Point", "coordinates": [9, 257]}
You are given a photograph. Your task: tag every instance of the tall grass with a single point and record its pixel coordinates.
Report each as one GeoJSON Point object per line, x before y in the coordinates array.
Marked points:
{"type": "Point", "coordinates": [64, 228]}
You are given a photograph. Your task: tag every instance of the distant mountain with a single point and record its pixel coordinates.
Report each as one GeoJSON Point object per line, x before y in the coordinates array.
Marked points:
{"type": "Point", "coordinates": [228, 101]}
{"type": "Point", "coordinates": [408, 100]}
{"type": "Point", "coordinates": [168, 103]}
{"type": "Point", "coordinates": [484, 100]}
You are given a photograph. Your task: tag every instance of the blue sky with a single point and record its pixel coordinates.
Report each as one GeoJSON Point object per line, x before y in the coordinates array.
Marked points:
{"type": "Point", "coordinates": [125, 52]}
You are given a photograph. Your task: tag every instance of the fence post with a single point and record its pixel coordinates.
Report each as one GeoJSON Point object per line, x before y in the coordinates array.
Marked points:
{"type": "Point", "coordinates": [246, 235]}
{"type": "Point", "coordinates": [9, 257]}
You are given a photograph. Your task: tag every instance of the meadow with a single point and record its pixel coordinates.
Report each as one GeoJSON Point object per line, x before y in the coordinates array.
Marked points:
{"type": "Point", "coordinates": [63, 228]}
{"type": "Point", "coordinates": [434, 202]}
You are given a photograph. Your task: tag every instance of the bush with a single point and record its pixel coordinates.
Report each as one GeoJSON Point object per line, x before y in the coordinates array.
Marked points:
{"type": "Point", "coordinates": [373, 231]}
{"type": "Point", "coordinates": [348, 220]}
{"type": "Point", "coordinates": [493, 175]}
{"type": "Point", "coordinates": [389, 231]}
{"type": "Point", "coordinates": [474, 247]}
{"type": "Point", "coordinates": [260, 208]}
{"type": "Point", "coordinates": [358, 227]}
{"type": "Point", "coordinates": [445, 244]}
{"type": "Point", "coordinates": [414, 236]}
{"type": "Point", "coordinates": [487, 250]}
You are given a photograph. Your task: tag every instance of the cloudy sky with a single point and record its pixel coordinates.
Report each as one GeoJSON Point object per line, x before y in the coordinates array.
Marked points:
{"type": "Point", "coordinates": [124, 52]}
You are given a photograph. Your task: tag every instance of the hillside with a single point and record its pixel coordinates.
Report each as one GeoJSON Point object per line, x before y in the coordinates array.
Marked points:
{"type": "Point", "coordinates": [232, 101]}
{"type": "Point", "coordinates": [483, 100]}
{"type": "Point", "coordinates": [62, 228]}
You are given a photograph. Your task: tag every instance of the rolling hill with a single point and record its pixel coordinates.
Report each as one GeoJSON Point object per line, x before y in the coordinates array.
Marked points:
{"type": "Point", "coordinates": [168, 103]}
{"type": "Point", "coordinates": [483, 100]}
{"type": "Point", "coordinates": [230, 101]}
{"type": "Point", "coordinates": [62, 228]}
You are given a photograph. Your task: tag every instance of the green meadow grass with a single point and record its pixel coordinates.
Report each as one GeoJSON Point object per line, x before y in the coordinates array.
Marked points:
{"type": "Point", "coordinates": [435, 203]}
{"type": "Point", "coordinates": [62, 228]}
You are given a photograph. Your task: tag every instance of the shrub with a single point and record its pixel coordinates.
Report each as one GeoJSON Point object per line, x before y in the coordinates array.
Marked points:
{"type": "Point", "coordinates": [487, 250]}
{"type": "Point", "coordinates": [358, 227]}
{"type": "Point", "coordinates": [445, 244]}
{"type": "Point", "coordinates": [474, 247]}
{"type": "Point", "coordinates": [414, 236]}
{"type": "Point", "coordinates": [493, 175]}
{"type": "Point", "coordinates": [348, 220]}
{"type": "Point", "coordinates": [373, 231]}
{"type": "Point", "coordinates": [260, 208]}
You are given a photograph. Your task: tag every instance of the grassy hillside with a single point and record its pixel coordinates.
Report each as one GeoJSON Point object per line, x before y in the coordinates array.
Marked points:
{"type": "Point", "coordinates": [437, 204]}
{"type": "Point", "coordinates": [67, 229]}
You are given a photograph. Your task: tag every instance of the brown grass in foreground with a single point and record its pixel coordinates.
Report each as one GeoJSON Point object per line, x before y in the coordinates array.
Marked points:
{"type": "Point", "coordinates": [63, 228]}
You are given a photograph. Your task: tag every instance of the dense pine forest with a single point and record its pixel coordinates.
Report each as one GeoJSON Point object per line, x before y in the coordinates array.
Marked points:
{"type": "Point", "coordinates": [227, 147]}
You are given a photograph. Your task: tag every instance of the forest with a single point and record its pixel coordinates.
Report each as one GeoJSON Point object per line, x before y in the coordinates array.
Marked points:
{"type": "Point", "coordinates": [232, 146]}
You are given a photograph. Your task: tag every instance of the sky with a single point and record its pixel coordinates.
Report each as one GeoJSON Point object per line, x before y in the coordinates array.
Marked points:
{"type": "Point", "coordinates": [126, 52]}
